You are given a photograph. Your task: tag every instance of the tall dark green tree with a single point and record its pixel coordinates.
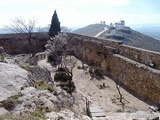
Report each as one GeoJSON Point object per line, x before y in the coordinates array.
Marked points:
{"type": "Point", "coordinates": [55, 25]}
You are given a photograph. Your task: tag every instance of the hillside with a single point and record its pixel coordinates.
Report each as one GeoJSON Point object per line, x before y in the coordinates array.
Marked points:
{"type": "Point", "coordinates": [152, 30]}
{"type": "Point", "coordinates": [90, 30]}
{"type": "Point", "coordinates": [128, 36]}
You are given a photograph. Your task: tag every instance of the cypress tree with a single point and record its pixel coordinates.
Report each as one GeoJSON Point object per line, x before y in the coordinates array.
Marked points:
{"type": "Point", "coordinates": [55, 25]}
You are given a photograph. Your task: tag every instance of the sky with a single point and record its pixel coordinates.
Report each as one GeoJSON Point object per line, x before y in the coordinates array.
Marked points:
{"type": "Point", "coordinates": [79, 13]}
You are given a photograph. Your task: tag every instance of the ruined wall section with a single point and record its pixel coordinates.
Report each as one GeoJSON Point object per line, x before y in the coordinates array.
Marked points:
{"type": "Point", "coordinates": [141, 55]}
{"type": "Point", "coordinates": [90, 52]}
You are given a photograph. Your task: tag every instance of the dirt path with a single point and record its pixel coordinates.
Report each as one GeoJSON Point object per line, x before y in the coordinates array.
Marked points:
{"type": "Point", "coordinates": [98, 34]}
{"type": "Point", "coordinates": [107, 98]}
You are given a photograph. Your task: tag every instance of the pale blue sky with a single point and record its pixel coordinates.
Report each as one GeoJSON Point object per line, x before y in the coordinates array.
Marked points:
{"type": "Point", "coordinates": [78, 13]}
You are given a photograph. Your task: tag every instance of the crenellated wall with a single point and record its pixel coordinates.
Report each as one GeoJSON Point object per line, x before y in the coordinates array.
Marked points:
{"type": "Point", "coordinates": [122, 64]}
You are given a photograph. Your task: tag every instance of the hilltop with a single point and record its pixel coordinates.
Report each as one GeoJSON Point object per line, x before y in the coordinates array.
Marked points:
{"type": "Point", "coordinates": [90, 30]}
{"type": "Point", "coordinates": [128, 36]}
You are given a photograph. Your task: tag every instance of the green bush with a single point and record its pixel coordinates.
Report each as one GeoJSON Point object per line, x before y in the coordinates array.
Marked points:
{"type": "Point", "coordinates": [98, 72]}
{"type": "Point", "coordinates": [50, 58]}
{"type": "Point", "coordinates": [67, 86]}
{"type": "Point", "coordinates": [41, 85]}
{"type": "Point", "coordinates": [62, 77]}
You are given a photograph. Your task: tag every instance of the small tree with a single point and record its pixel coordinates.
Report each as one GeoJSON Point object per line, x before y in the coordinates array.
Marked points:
{"type": "Point", "coordinates": [19, 25]}
{"type": "Point", "coordinates": [55, 25]}
{"type": "Point", "coordinates": [56, 47]}
{"type": "Point", "coordinates": [58, 52]}
{"type": "Point", "coordinates": [120, 96]}
{"type": "Point", "coordinates": [68, 66]}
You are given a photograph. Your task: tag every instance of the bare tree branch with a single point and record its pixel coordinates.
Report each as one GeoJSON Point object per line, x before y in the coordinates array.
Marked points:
{"type": "Point", "coordinates": [120, 96]}
{"type": "Point", "coordinates": [19, 25]}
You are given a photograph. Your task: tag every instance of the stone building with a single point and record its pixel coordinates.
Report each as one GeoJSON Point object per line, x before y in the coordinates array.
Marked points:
{"type": "Point", "coordinates": [120, 25]}
{"type": "Point", "coordinates": [112, 29]}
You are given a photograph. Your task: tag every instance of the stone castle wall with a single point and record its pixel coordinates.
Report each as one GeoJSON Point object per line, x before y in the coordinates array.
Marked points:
{"type": "Point", "coordinates": [141, 55]}
{"type": "Point", "coordinates": [123, 65]}
{"type": "Point", "coordinates": [139, 78]}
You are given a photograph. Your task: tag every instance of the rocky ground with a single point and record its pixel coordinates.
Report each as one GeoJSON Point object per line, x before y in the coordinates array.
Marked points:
{"type": "Point", "coordinates": [20, 99]}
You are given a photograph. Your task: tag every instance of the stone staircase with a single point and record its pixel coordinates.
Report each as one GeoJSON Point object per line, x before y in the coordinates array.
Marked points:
{"type": "Point", "coordinates": [97, 113]}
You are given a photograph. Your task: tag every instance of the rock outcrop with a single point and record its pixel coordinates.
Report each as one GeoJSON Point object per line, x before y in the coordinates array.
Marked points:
{"type": "Point", "coordinates": [12, 78]}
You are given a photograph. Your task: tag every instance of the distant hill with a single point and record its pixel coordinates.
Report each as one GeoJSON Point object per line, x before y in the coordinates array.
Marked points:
{"type": "Point", "coordinates": [90, 30]}
{"type": "Point", "coordinates": [150, 30]}
{"type": "Point", "coordinates": [4, 31]}
{"type": "Point", "coordinates": [128, 36]}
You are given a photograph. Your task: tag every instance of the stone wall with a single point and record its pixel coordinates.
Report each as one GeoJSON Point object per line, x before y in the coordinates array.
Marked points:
{"type": "Point", "coordinates": [139, 78]}
{"type": "Point", "coordinates": [141, 55]}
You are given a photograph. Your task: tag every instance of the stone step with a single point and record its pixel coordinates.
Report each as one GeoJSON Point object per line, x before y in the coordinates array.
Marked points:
{"type": "Point", "coordinates": [95, 109]}
{"type": "Point", "coordinates": [97, 112]}
{"type": "Point", "coordinates": [98, 115]}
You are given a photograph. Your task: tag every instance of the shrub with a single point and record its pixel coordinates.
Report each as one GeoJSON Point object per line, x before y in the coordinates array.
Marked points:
{"type": "Point", "coordinates": [9, 104]}
{"type": "Point", "coordinates": [2, 57]}
{"type": "Point", "coordinates": [50, 58]}
{"type": "Point", "coordinates": [22, 88]}
{"type": "Point", "coordinates": [62, 77]}
{"type": "Point", "coordinates": [26, 67]}
{"type": "Point", "coordinates": [91, 71]}
{"type": "Point", "coordinates": [67, 86]}
{"type": "Point", "coordinates": [43, 109]}
{"type": "Point", "coordinates": [37, 114]}
{"type": "Point", "coordinates": [119, 110]}
{"type": "Point", "coordinates": [61, 69]}
{"type": "Point", "coordinates": [50, 89]}
{"type": "Point", "coordinates": [15, 97]}
{"type": "Point", "coordinates": [41, 85]}
{"type": "Point", "coordinates": [98, 72]}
